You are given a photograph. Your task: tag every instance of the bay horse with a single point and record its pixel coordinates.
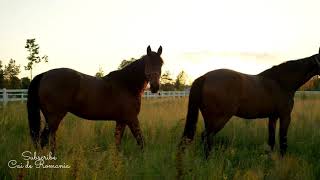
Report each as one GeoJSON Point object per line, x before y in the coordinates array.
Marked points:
{"type": "Point", "coordinates": [116, 96]}
{"type": "Point", "coordinates": [223, 93]}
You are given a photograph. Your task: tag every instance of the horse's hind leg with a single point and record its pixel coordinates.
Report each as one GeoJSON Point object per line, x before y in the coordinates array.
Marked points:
{"type": "Point", "coordinates": [213, 125]}
{"type": "Point", "coordinates": [49, 133]}
{"type": "Point", "coordinates": [45, 136]}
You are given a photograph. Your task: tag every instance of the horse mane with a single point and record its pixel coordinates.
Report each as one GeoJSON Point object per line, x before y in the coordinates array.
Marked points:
{"type": "Point", "coordinates": [131, 76]}
{"type": "Point", "coordinates": [283, 68]}
{"type": "Point", "coordinates": [137, 64]}
{"type": "Point", "coordinates": [132, 65]}
{"type": "Point", "coordinates": [291, 71]}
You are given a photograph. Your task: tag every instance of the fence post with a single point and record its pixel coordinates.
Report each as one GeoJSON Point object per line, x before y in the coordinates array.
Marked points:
{"type": "Point", "coordinates": [21, 97]}
{"type": "Point", "coordinates": [5, 96]}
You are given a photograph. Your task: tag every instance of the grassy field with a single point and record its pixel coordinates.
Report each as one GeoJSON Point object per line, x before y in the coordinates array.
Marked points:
{"type": "Point", "coordinates": [239, 153]}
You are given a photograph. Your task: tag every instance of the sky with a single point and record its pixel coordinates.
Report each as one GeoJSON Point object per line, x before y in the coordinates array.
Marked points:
{"type": "Point", "coordinates": [197, 36]}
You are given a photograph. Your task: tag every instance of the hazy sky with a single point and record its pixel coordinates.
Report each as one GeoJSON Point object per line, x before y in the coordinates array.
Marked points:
{"type": "Point", "coordinates": [197, 36]}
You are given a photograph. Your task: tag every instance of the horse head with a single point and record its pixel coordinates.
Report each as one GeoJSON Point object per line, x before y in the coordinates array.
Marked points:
{"type": "Point", "coordinates": [153, 64]}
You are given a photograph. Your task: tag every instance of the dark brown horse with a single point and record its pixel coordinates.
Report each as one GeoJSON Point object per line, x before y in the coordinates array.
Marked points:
{"type": "Point", "coordinates": [224, 93]}
{"type": "Point", "coordinates": [117, 96]}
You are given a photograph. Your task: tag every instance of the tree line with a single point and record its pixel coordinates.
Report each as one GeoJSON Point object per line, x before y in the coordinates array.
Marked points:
{"type": "Point", "coordinates": [9, 76]}
{"type": "Point", "coordinates": [9, 73]}
{"type": "Point", "coordinates": [312, 85]}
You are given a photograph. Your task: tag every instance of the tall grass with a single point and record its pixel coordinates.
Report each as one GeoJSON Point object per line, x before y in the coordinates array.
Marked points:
{"type": "Point", "coordinates": [239, 153]}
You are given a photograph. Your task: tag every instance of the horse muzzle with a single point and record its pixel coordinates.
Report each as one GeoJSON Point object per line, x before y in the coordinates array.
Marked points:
{"type": "Point", "coordinates": [154, 88]}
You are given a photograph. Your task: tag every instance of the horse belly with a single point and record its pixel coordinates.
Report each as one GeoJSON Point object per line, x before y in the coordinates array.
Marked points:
{"type": "Point", "coordinates": [254, 110]}
{"type": "Point", "coordinates": [256, 99]}
{"type": "Point", "coordinates": [96, 106]}
{"type": "Point", "coordinates": [93, 112]}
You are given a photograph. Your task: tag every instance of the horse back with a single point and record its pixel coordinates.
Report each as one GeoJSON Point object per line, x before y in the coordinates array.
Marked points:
{"type": "Point", "coordinates": [244, 95]}
{"type": "Point", "coordinates": [85, 96]}
{"type": "Point", "coordinates": [57, 88]}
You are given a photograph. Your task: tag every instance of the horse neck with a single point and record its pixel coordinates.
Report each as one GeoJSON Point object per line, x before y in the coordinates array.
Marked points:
{"type": "Point", "coordinates": [293, 78]}
{"type": "Point", "coordinates": [303, 79]}
{"type": "Point", "coordinates": [133, 77]}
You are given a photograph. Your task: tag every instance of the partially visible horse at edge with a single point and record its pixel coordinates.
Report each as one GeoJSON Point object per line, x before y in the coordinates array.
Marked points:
{"type": "Point", "coordinates": [116, 96]}
{"type": "Point", "coordinates": [223, 93]}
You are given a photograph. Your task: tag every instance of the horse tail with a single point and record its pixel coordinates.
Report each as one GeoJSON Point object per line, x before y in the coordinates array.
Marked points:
{"type": "Point", "coordinates": [33, 106]}
{"type": "Point", "coordinates": [195, 100]}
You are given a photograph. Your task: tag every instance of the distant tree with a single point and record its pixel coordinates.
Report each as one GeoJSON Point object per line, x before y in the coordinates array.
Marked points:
{"type": "Point", "coordinates": [166, 78]}
{"type": "Point", "coordinates": [180, 82]}
{"type": "Point", "coordinates": [25, 82]}
{"type": "Point", "coordinates": [11, 72]}
{"type": "Point", "coordinates": [100, 73]}
{"type": "Point", "coordinates": [14, 83]}
{"type": "Point", "coordinates": [33, 56]}
{"type": "Point", "coordinates": [125, 63]}
{"type": "Point", "coordinates": [167, 83]}
{"type": "Point", "coordinates": [312, 85]}
{"type": "Point", "coordinates": [1, 76]}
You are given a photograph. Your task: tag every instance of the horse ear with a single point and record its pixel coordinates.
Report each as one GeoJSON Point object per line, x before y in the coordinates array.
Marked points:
{"type": "Point", "coordinates": [149, 50]}
{"type": "Point", "coordinates": [159, 50]}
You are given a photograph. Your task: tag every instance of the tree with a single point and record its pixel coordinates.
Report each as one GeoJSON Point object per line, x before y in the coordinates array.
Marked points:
{"type": "Point", "coordinates": [180, 82]}
{"type": "Point", "coordinates": [166, 82]}
{"type": "Point", "coordinates": [312, 85]}
{"type": "Point", "coordinates": [11, 72]}
{"type": "Point", "coordinates": [33, 57]}
{"type": "Point", "coordinates": [1, 76]}
{"type": "Point", "coordinates": [166, 78]}
{"type": "Point", "coordinates": [100, 73]}
{"type": "Point", "coordinates": [125, 63]}
{"type": "Point", "coordinates": [25, 82]}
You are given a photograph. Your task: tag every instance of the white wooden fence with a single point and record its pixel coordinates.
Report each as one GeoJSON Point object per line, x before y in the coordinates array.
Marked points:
{"type": "Point", "coordinates": [21, 94]}
{"type": "Point", "coordinates": [13, 95]}
{"type": "Point", "coordinates": [148, 94]}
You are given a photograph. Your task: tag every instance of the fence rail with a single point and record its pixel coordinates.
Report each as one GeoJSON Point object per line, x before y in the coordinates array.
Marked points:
{"type": "Point", "coordinates": [13, 95]}
{"type": "Point", "coordinates": [7, 95]}
{"type": "Point", "coordinates": [148, 94]}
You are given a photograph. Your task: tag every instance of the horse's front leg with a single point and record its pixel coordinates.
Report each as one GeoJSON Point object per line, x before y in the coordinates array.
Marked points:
{"type": "Point", "coordinates": [136, 131]}
{"type": "Point", "coordinates": [120, 127]}
{"type": "Point", "coordinates": [272, 131]}
{"type": "Point", "coordinates": [284, 124]}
